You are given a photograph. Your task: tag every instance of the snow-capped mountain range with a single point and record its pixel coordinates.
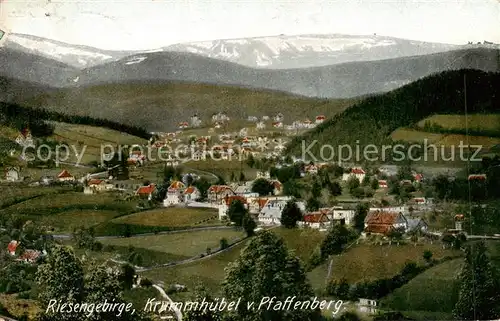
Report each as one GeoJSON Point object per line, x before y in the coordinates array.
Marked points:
{"type": "Point", "coordinates": [273, 52]}
{"type": "Point", "coordinates": [302, 51]}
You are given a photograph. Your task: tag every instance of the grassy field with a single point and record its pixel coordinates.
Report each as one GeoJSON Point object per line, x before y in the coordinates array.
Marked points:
{"type": "Point", "coordinates": [15, 193]}
{"type": "Point", "coordinates": [302, 242]}
{"type": "Point", "coordinates": [173, 217]}
{"type": "Point", "coordinates": [62, 212]}
{"type": "Point", "coordinates": [477, 122]}
{"type": "Point", "coordinates": [415, 136]}
{"type": "Point", "coordinates": [186, 244]}
{"type": "Point", "coordinates": [211, 271]}
{"type": "Point", "coordinates": [371, 262]}
{"type": "Point", "coordinates": [223, 168]}
{"type": "Point", "coordinates": [434, 290]}
{"type": "Point", "coordinates": [169, 103]}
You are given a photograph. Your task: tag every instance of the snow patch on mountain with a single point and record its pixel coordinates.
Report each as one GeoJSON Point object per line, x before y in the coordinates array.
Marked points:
{"type": "Point", "coordinates": [58, 51]}
{"type": "Point", "coordinates": [135, 60]}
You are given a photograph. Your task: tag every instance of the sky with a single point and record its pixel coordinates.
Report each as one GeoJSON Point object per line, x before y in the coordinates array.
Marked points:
{"type": "Point", "coordinates": [150, 24]}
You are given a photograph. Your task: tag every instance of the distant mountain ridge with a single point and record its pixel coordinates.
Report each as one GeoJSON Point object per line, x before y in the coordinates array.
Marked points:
{"type": "Point", "coordinates": [276, 52]}
{"type": "Point", "coordinates": [346, 80]}
{"type": "Point", "coordinates": [302, 51]}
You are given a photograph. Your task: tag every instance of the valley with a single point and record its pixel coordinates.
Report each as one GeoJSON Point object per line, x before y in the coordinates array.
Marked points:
{"type": "Point", "coordinates": [180, 173]}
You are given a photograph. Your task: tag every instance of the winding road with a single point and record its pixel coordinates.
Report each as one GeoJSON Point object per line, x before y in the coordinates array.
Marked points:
{"type": "Point", "coordinates": [174, 307]}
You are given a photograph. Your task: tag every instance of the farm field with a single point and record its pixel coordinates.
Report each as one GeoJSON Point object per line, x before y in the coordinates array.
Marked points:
{"type": "Point", "coordinates": [434, 290]}
{"type": "Point", "coordinates": [413, 135]}
{"type": "Point", "coordinates": [12, 193]}
{"type": "Point", "coordinates": [172, 217]}
{"type": "Point", "coordinates": [210, 271]}
{"type": "Point", "coordinates": [476, 122]}
{"type": "Point", "coordinates": [447, 140]}
{"type": "Point", "coordinates": [302, 242]}
{"type": "Point", "coordinates": [224, 168]}
{"type": "Point", "coordinates": [187, 244]}
{"type": "Point", "coordinates": [371, 262]}
{"type": "Point", "coordinates": [63, 212]}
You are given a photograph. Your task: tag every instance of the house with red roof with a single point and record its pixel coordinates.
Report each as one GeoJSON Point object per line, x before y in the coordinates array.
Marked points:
{"type": "Point", "coordinates": [183, 125]}
{"type": "Point", "coordinates": [191, 194]}
{"type": "Point", "coordinates": [12, 247]}
{"type": "Point", "coordinates": [277, 124]}
{"type": "Point", "coordinates": [146, 192]}
{"type": "Point", "coordinates": [226, 203]}
{"type": "Point", "coordinates": [477, 177]}
{"type": "Point", "coordinates": [30, 256]}
{"type": "Point", "coordinates": [320, 119]}
{"type": "Point", "coordinates": [356, 172]}
{"type": "Point", "coordinates": [65, 176]}
{"type": "Point", "coordinates": [382, 183]}
{"type": "Point", "coordinates": [379, 222]}
{"type": "Point", "coordinates": [216, 193]}
{"type": "Point", "coordinates": [317, 219]}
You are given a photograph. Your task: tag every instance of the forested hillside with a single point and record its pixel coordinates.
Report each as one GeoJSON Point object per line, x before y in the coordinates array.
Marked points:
{"type": "Point", "coordinates": [20, 117]}
{"type": "Point", "coordinates": [372, 120]}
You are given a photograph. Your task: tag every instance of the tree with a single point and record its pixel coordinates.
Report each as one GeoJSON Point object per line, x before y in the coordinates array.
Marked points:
{"type": "Point", "coordinates": [316, 189]}
{"type": "Point", "coordinates": [334, 188]}
{"type": "Point", "coordinates": [84, 238]}
{"type": "Point", "coordinates": [223, 243]}
{"type": "Point", "coordinates": [291, 214]}
{"type": "Point", "coordinates": [262, 186]}
{"type": "Point", "coordinates": [366, 180]}
{"type": "Point", "coordinates": [374, 184]}
{"type": "Point", "coordinates": [265, 268]}
{"type": "Point", "coordinates": [250, 161]}
{"type": "Point", "coordinates": [248, 224]}
{"type": "Point", "coordinates": [201, 294]}
{"type": "Point", "coordinates": [352, 183]}
{"type": "Point", "coordinates": [479, 286]}
{"type": "Point", "coordinates": [242, 177]}
{"type": "Point", "coordinates": [335, 241]}
{"type": "Point", "coordinates": [202, 185]}
{"type": "Point", "coordinates": [236, 212]}
{"type": "Point", "coordinates": [127, 276]}
{"type": "Point", "coordinates": [61, 278]}
{"type": "Point", "coordinates": [360, 215]}
{"type": "Point", "coordinates": [427, 256]}
{"type": "Point", "coordinates": [291, 188]}
{"type": "Point", "coordinates": [312, 204]}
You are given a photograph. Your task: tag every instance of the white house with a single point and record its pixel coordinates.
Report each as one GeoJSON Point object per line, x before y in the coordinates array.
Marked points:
{"type": "Point", "coordinates": [65, 176]}
{"type": "Point", "coordinates": [357, 172]}
{"type": "Point", "coordinates": [347, 215]}
{"type": "Point", "coordinates": [12, 174]}
{"type": "Point", "coordinates": [260, 125]}
{"type": "Point", "coordinates": [367, 306]}
{"type": "Point", "coordinates": [270, 214]}
{"type": "Point", "coordinates": [173, 197]}
{"type": "Point", "coordinates": [191, 194]}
